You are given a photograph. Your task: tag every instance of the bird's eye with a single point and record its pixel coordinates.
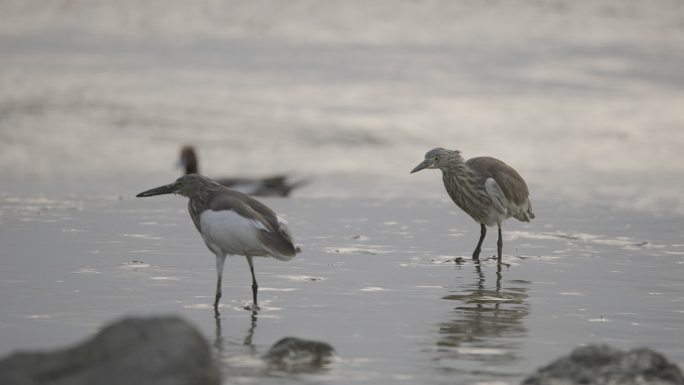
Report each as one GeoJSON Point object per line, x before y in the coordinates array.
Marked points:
{"type": "Point", "coordinates": [436, 159]}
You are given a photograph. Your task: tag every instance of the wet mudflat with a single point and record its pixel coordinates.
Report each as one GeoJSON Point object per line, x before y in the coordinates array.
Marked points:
{"type": "Point", "coordinates": [389, 283]}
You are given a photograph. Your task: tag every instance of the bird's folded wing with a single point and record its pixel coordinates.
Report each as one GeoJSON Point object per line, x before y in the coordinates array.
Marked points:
{"type": "Point", "coordinates": [496, 195]}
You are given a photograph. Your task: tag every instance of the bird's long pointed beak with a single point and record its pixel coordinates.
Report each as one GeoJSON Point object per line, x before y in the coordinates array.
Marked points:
{"type": "Point", "coordinates": [422, 165]}
{"type": "Point", "coordinates": [166, 189]}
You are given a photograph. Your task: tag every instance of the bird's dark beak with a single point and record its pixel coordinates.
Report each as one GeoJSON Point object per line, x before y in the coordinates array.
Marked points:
{"type": "Point", "coordinates": [424, 164]}
{"type": "Point", "coordinates": [166, 189]}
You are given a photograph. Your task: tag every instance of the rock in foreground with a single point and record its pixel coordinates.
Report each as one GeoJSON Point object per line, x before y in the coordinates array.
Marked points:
{"type": "Point", "coordinates": [296, 354]}
{"type": "Point", "coordinates": [151, 351]}
{"type": "Point", "coordinates": [603, 365]}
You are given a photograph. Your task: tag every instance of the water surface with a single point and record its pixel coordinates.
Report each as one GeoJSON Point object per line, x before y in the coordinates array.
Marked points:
{"type": "Point", "coordinates": [388, 283]}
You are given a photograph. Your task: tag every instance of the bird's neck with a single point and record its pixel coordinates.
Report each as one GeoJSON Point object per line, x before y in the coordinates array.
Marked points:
{"type": "Point", "coordinates": [457, 168]}
{"type": "Point", "coordinates": [466, 189]}
{"type": "Point", "coordinates": [200, 197]}
{"type": "Point", "coordinates": [191, 167]}
{"type": "Point", "coordinates": [195, 209]}
{"type": "Point", "coordinates": [198, 202]}
{"type": "Point", "coordinates": [459, 172]}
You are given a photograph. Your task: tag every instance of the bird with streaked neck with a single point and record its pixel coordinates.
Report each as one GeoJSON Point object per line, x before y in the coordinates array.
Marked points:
{"type": "Point", "coordinates": [231, 223]}
{"type": "Point", "coordinates": [486, 188]}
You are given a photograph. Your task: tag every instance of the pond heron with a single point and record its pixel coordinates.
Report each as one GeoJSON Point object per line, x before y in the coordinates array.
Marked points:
{"type": "Point", "coordinates": [486, 188]}
{"type": "Point", "coordinates": [231, 223]}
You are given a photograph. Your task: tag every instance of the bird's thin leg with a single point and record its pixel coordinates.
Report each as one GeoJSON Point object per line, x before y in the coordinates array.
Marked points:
{"type": "Point", "coordinates": [255, 286]}
{"type": "Point", "coordinates": [499, 245]}
{"type": "Point", "coordinates": [483, 232]}
{"type": "Point", "coordinates": [218, 292]}
{"type": "Point", "coordinates": [220, 261]}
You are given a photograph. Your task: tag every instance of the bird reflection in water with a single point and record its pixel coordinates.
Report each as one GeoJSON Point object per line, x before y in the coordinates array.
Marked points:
{"type": "Point", "coordinates": [241, 361]}
{"type": "Point", "coordinates": [488, 324]}
{"type": "Point", "coordinates": [220, 343]}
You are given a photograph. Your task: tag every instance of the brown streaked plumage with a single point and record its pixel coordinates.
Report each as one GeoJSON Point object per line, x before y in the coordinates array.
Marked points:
{"type": "Point", "coordinates": [276, 185]}
{"type": "Point", "coordinates": [486, 188]}
{"type": "Point", "coordinates": [231, 223]}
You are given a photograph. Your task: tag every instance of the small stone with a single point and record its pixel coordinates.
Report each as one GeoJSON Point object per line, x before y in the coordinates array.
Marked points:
{"type": "Point", "coordinates": [296, 354]}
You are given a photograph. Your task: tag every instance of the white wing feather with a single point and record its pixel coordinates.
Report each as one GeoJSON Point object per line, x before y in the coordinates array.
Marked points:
{"type": "Point", "coordinates": [496, 195]}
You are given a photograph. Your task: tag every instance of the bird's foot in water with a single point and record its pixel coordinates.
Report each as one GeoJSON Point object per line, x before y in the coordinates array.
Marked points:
{"type": "Point", "coordinates": [495, 258]}
{"type": "Point", "coordinates": [252, 307]}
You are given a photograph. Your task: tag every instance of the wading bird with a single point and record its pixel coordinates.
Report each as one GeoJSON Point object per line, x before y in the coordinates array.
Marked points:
{"type": "Point", "coordinates": [276, 185]}
{"type": "Point", "coordinates": [231, 223]}
{"type": "Point", "coordinates": [485, 188]}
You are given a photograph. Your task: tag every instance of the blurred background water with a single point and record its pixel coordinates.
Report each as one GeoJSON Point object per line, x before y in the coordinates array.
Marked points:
{"type": "Point", "coordinates": [584, 98]}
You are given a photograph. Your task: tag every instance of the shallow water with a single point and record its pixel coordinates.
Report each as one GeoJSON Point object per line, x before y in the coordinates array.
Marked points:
{"type": "Point", "coordinates": [388, 283]}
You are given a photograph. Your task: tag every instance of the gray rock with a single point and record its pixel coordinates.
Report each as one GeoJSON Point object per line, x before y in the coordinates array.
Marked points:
{"type": "Point", "coordinates": [151, 351]}
{"type": "Point", "coordinates": [603, 365]}
{"type": "Point", "coordinates": [296, 354]}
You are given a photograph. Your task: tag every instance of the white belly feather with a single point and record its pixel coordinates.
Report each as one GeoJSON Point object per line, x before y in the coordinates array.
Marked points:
{"type": "Point", "coordinates": [226, 232]}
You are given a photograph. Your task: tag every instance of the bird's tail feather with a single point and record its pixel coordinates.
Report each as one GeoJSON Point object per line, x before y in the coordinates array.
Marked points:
{"type": "Point", "coordinates": [526, 214]}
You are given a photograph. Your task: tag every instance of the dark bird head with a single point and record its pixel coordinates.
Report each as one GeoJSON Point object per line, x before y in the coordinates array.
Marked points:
{"type": "Point", "coordinates": [438, 158]}
{"type": "Point", "coordinates": [188, 160]}
{"type": "Point", "coordinates": [191, 185]}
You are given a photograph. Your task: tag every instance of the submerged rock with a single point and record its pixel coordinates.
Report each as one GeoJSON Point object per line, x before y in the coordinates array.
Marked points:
{"type": "Point", "coordinates": [296, 354]}
{"type": "Point", "coordinates": [151, 351]}
{"type": "Point", "coordinates": [603, 365]}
